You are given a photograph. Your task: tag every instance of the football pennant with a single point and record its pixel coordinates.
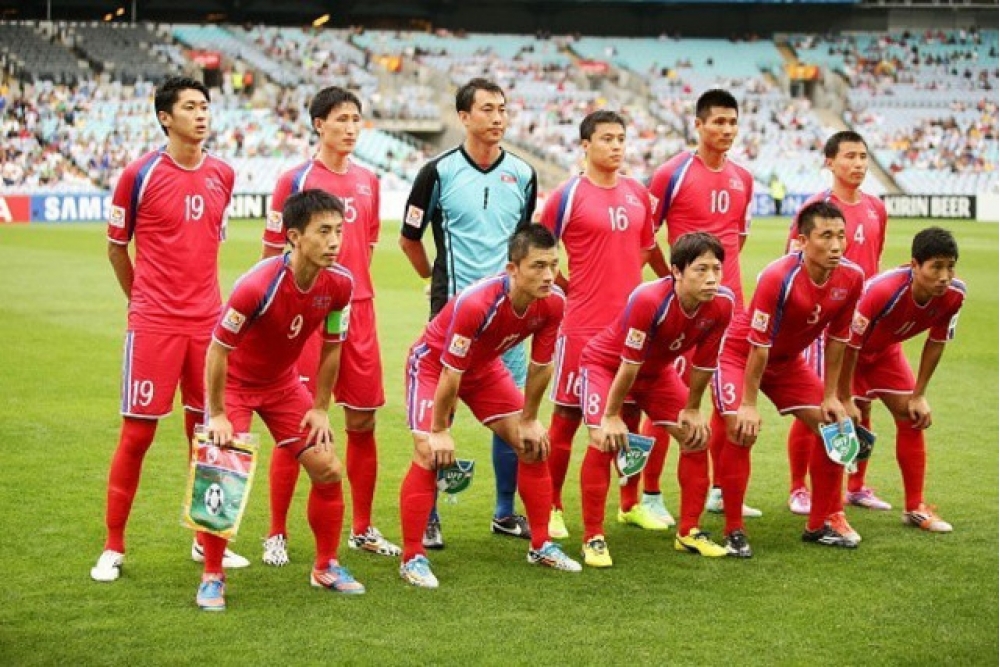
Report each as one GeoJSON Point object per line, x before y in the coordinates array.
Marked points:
{"type": "Point", "coordinates": [218, 485]}
{"type": "Point", "coordinates": [457, 477]}
{"type": "Point", "coordinates": [841, 442]}
{"type": "Point", "coordinates": [630, 461]}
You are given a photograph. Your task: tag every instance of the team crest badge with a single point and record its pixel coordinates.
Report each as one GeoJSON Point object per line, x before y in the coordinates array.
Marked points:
{"type": "Point", "coordinates": [414, 216]}
{"type": "Point", "coordinates": [508, 178]}
{"type": "Point", "coordinates": [233, 320]}
{"type": "Point", "coordinates": [459, 345]}
{"type": "Point", "coordinates": [760, 321]}
{"type": "Point", "coordinates": [838, 294]}
{"type": "Point", "coordinates": [860, 324]}
{"type": "Point", "coordinates": [635, 339]}
{"type": "Point", "coordinates": [274, 221]}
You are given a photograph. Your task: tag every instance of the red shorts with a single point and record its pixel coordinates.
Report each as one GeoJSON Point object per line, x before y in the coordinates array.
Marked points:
{"type": "Point", "coordinates": [281, 410]}
{"type": "Point", "coordinates": [153, 364]}
{"type": "Point", "coordinates": [359, 384]}
{"type": "Point", "coordinates": [661, 396]}
{"type": "Point", "coordinates": [791, 384]}
{"type": "Point", "coordinates": [886, 372]}
{"type": "Point", "coordinates": [566, 376]}
{"type": "Point", "coordinates": [489, 392]}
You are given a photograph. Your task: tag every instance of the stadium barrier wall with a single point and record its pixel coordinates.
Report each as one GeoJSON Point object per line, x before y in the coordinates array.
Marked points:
{"type": "Point", "coordinates": [94, 206]}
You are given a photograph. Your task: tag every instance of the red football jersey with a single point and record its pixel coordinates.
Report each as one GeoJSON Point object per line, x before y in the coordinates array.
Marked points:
{"type": "Point", "coordinates": [690, 197]}
{"type": "Point", "coordinates": [789, 311]}
{"type": "Point", "coordinates": [887, 314]}
{"type": "Point", "coordinates": [480, 324]}
{"type": "Point", "coordinates": [865, 226]}
{"type": "Point", "coordinates": [177, 217]}
{"type": "Point", "coordinates": [358, 188]}
{"type": "Point", "coordinates": [268, 320]}
{"type": "Point", "coordinates": [654, 329]}
{"type": "Point", "coordinates": [603, 231]}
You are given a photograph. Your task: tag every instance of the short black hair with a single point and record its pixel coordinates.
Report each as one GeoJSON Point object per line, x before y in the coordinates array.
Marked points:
{"type": "Point", "coordinates": [806, 221]}
{"type": "Point", "coordinates": [467, 93]}
{"type": "Point", "coordinates": [168, 92]}
{"type": "Point", "coordinates": [689, 247]}
{"type": "Point", "coordinates": [832, 145]}
{"type": "Point", "coordinates": [716, 97]}
{"type": "Point", "coordinates": [329, 99]}
{"type": "Point", "coordinates": [530, 236]}
{"type": "Point", "coordinates": [592, 120]}
{"type": "Point", "coordinates": [300, 208]}
{"type": "Point", "coordinates": [934, 242]}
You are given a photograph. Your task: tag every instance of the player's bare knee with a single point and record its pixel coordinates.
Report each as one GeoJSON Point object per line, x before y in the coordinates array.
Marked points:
{"type": "Point", "coordinates": [361, 421]}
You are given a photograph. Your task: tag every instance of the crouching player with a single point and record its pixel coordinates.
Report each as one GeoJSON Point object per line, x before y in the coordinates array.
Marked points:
{"type": "Point", "coordinates": [688, 310]}
{"type": "Point", "coordinates": [251, 367]}
{"type": "Point", "coordinates": [797, 296]}
{"type": "Point", "coordinates": [896, 306]}
{"type": "Point", "coordinates": [458, 357]}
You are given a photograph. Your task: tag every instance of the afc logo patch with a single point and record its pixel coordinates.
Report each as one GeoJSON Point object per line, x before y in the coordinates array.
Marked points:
{"type": "Point", "coordinates": [635, 339]}
{"type": "Point", "coordinates": [459, 346]}
{"type": "Point", "coordinates": [233, 320]}
{"type": "Point", "coordinates": [117, 218]}
{"type": "Point", "coordinates": [275, 221]}
{"type": "Point", "coordinates": [859, 325]}
{"type": "Point", "coordinates": [760, 321]}
{"type": "Point", "coordinates": [414, 216]}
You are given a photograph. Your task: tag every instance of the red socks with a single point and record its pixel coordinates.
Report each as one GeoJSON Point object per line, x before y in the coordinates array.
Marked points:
{"type": "Point", "coordinates": [733, 475]}
{"type": "Point", "coordinates": [657, 458]}
{"type": "Point", "coordinates": [800, 443]}
{"type": "Point", "coordinates": [911, 454]}
{"type": "Point", "coordinates": [692, 474]}
{"type": "Point", "coordinates": [362, 471]}
{"type": "Point", "coordinates": [123, 479]}
{"type": "Point", "coordinates": [535, 487]}
{"type": "Point", "coordinates": [561, 432]}
{"type": "Point", "coordinates": [595, 478]}
{"type": "Point", "coordinates": [827, 491]}
{"type": "Point", "coordinates": [283, 475]}
{"type": "Point", "coordinates": [856, 481]}
{"type": "Point", "coordinates": [215, 549]}
{"type": "Point", "coordinates": [416, 498]}
{"type": "Point", "coordinates": [326, 518]}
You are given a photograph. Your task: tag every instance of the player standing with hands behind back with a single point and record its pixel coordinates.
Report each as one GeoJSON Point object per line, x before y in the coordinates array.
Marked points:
{"type": "Point", "coordinates": [473, 197]}
{"type": "Point", "coordinates": [336, 117]}
{"type": "Point", "coordinates": [173, 203]}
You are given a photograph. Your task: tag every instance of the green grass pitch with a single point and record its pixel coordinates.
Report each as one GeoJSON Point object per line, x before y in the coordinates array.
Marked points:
{"type": "Point", "coordinates": [903, 598]}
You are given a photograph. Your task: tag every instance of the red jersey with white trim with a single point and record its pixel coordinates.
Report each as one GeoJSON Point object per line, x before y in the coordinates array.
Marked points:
{"type": "Point", "coordinates": [603, 231]}
{"type": "Point", "coordinates": [690, 197]}
{"type": "Point", "coordinates": [789, 311]}
{"type": "Point", "coordinates": [359, 189]}
{"type": "Point", "coordinates": [268, 320]}
{"type": "Point", "coordinates": [865, 227]}
{"type": "Point", "coordinates": [887, 313]}
{"type": "Point", "coordinates": [480, 324]}
{"type": "Point", "coordinates": [177, 217]}
{"type": "Point", "coordinates": [654, 329]}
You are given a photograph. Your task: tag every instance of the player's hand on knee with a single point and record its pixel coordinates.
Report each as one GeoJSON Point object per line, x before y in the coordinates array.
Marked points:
{"type": "Point", "coordinates": [920, 412]}
{"type": "Point", "coordinates": [615, 433]}
{"type": "Point", "coordinates": [442, 449]}
{"type": "Point", "coordinates": [748, 425]}
{"type": "Point", "coordinates": [320, 434]}
{"type": "Point", "coordinates": [693, 429]}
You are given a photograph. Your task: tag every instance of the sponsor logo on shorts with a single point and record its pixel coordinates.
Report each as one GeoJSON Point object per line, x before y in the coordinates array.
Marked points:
{"type": "Point", "coordinates": [414, 216]}
{"type": "Point", "coordinates": [860, 324]}
{"type": "Point", "coordinates": [838, 294]}
{"type": "Point", "coordinates": [275, 221]}
{"type": "Point", "coordinates": [234, 320]}
{"type": "Point", "coordinates": [635, 339]}
{"type": "Point", "coordinates": [117, 218]}
{"type": "Point", "coordinates": [760, 321]}
{"type": "Point", "coordinates": [459, 345]}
